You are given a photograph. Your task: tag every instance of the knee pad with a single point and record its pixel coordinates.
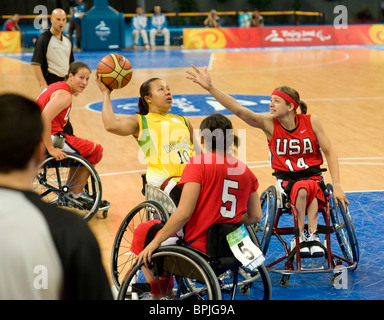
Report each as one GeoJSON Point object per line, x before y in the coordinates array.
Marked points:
{"type": "Point", "coordinates": [96, 155]}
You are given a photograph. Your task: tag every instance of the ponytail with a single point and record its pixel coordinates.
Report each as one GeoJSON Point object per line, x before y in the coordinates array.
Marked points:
{"type": "Point", "coordinates": [303, 107]}
{"type": "Point", "coordinates": [145, 91]}
{"type": "Point", "coordinates": [143, 107]}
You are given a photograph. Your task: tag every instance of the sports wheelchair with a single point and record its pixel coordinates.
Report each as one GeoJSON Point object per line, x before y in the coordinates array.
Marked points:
{"type": "Point", "coordinates": [200, 281]}
{"type": "Point", "coordinates": [276, 229]}
{"type": "Point", "coordinates": [55, 181]}
{"type": "Point", "coordinates": [194, 275]}
{"type": "Point", "coordinates": [157, 205]}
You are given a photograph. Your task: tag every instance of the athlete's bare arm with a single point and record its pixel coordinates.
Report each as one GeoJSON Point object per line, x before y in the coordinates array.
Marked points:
{"type": "Point", "coordinates": [121, 126]}
{"type": "Point", "coordinates": [262, 121]}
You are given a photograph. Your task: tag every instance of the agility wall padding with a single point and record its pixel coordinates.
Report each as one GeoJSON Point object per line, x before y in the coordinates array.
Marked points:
{"type": "Point", "coordinates": [10, 41]}
{"type": "Point", "coordinates": [199, 38]}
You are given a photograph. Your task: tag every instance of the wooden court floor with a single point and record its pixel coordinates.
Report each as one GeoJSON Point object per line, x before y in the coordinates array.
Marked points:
{"type": "Point", "coordinates": [342, 86]}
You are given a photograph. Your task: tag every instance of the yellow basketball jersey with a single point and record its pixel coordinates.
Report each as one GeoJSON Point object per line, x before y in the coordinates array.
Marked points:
{"type": "Point", "coordinates": [166, 144]}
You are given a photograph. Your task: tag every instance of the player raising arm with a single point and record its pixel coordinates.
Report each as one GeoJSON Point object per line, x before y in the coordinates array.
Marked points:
{"type": "Point", "coordinates": [296, 142]}
{"type": "Point", "coordinates": [165, 139]}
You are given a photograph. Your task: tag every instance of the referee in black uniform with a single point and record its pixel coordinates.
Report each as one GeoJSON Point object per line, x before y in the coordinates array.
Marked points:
{"type": "Point", "coordinates": [53, 54]}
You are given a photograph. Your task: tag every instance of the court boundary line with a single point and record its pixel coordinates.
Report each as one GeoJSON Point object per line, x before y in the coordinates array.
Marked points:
{"type": "Point", "coordinates": [266, 163]}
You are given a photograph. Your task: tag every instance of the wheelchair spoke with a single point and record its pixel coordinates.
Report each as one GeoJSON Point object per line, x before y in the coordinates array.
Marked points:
{"type": "Point", "coordinates": [53, 185]}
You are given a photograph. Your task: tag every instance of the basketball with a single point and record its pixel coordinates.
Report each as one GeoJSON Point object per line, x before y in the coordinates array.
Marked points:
{"type": "Point", "coordinates": [115, 70]}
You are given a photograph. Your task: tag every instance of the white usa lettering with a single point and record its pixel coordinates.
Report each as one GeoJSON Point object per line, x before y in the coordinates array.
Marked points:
{"type": "Point", "coordinates": [293, 146]}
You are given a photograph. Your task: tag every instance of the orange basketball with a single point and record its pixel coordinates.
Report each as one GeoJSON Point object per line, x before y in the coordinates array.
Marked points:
{"type": "Point", "coordinates": [115, 70]}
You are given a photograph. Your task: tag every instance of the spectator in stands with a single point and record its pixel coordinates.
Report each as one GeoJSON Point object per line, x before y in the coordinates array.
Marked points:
{"type": "Point", "coordinates": [12, 24]}
{"type": "Point", "coordinates": [139, 28]}
{"type": "Point", "coordinates": [245, 19]}
{"type": "Point", "coordinates": [159, 27]}
{"type": "Point", "coordinates": [212, 21]}
{"type": "Point", "coordinates": [77, 11]}
{"type": "Point", "coordinates": [382, 8]}
{"type": "Point", "coordinates": [364, 15]}
{"type": "Point", "coordinates": [257, 19]}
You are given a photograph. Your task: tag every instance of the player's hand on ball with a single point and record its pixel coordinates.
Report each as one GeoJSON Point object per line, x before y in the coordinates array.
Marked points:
{"type": "Point", "coordinates": [101, 85]}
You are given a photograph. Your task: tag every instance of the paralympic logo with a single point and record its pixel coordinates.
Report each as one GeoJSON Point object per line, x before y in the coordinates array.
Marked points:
{"type": "Point", "coordinates": [189, 105]}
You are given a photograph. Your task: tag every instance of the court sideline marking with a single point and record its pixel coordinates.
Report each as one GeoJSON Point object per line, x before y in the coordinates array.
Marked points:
{"type": "Point", "coordinates": [265, 163]}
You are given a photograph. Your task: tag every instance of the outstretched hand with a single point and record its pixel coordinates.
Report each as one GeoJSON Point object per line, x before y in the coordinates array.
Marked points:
{"type": "Point", "coordinates": [201, 78]}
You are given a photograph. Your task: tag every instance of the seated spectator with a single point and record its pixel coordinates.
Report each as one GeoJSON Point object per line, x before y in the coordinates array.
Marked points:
{"type": "Point", "coordinates": [12, 24]}
{"type": "Point", "coordinates": [245, 19]}
{"type": "Point", "coordinates": [139, 28]}
{"type": "Point", "coordinates": [212, 21]}
{"type": "Point", "coordinates": [257, 19]}
{"type": "Point", "coordinates": [77, 10]}
{"type": "Point", "coordinates": [159, 27]}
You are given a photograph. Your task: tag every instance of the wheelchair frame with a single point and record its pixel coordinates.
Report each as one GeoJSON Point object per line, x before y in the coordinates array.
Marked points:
{"type": "Point", "coordinates": [157, 206]}
{"type": "Point", "coordinates": [340, 220]}
{"type": "Point", "coordinates": [122, 258]}
{"type": "Point", "coordinates": [197, 276]}
{"type": "Point", "coordinates": [52, 185]}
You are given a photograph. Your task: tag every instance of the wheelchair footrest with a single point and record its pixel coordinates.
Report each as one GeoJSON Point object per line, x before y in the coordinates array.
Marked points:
{"type": "Point", "coordinates": [313, 263]}
{"type": "Point", "coordinates": [104, 205]}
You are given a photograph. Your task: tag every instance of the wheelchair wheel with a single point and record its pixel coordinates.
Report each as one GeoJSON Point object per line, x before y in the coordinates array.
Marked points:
{"type": "Point", "coordinates": [190, 276]}
{"type": "Point", "coordinates": [344, 230]}
{"type": "Point", "coordinates": [122, 258]}
{"type": "Point", "coordinates": [54, 185]}
{"type": "Point", "coordinates": [264, 229]}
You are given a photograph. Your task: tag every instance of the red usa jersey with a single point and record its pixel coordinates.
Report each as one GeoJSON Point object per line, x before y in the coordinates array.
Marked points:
{"type": "Point", "coordinates": [226, 184]}
{"type": "Point", "coordinates": [61, 119]}
{"type": "Point", "coordinates": [294, 150]}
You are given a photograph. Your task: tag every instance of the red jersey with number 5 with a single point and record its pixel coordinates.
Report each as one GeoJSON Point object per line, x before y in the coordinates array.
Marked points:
{"type": "Point", "coordinates": [61, 119]}
{"type": "Point", "coordinates": [226, 184]}
{"type": "Point", "coordinates": [294, 150]}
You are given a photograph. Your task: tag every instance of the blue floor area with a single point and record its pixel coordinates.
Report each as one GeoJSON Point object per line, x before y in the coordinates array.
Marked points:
{"type": "Point", "coordinates": [364, 283]}
{"type": "Point", "coordinates": [155, 59]}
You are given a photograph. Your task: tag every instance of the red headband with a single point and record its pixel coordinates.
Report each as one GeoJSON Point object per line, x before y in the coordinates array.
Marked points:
{"type": "Point", "coordinates": [286, 97]}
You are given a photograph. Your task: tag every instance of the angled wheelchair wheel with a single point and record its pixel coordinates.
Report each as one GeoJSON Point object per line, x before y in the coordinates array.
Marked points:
{"type": "Point", "coordinates": [344, 230]}
{"type": "Point", "coordinates": [56, 181]}
{"type": "Point", "coordinates": [188, 277]}
{"type": "Point", "coordinates": [264, 229]}
{"type": "Point", "coordinates": [122, 258]}
{"type": "Point", "coordinates": [249, 284]}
